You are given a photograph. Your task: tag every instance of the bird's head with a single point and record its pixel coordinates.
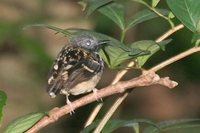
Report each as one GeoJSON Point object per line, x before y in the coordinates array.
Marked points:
{"type": "Point", "coordinates": [88, 42]}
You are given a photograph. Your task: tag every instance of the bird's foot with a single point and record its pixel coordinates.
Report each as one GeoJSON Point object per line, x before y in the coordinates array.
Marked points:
{"type": "Point", "coordinates": [68, 101]}
{"type": "Point", "coordinates": [70, 106]}
{"type": "Point", "coordinates": [95, 94]}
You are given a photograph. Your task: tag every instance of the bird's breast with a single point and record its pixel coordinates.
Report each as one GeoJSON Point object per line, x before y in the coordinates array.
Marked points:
{"type": "Point", "coordinates": [85, 86]}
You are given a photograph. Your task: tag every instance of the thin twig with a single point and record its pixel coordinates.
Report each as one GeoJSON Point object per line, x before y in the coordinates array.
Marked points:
{"type": "Point", "coordinates": [93, 115]}
{"type": "Point", "coordinates": [110, 112]}
{"type": "Point", "coordinates": [169, 32]}
{"type": "Point", "coordinates": [120, 99]}
{"type": "Point", "coordinates": [175, 58]}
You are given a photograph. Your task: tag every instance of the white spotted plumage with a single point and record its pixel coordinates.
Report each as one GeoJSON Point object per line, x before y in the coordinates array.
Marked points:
{"type": "Point", "coordinates": [78, 67]}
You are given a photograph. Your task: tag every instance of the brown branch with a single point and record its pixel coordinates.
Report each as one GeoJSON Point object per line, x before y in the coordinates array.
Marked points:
{"type": "Point", "coordinates": [146, 79]}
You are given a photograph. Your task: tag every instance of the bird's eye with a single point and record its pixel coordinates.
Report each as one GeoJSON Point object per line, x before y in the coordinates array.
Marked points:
{"type": "Point", "coordinates": [88, 43]}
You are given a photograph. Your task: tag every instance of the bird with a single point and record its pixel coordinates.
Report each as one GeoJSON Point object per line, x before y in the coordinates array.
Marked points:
{"type": "Point", "coordinates": [77, 68]}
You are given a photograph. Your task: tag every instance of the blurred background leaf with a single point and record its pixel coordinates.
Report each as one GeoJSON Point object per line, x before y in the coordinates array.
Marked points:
{"type": "Point", "coordinates": [3, 99]}
{"type": "Point", "coordinates": [186, 125]}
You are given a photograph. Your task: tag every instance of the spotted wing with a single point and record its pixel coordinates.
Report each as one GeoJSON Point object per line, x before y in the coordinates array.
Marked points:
{"type": "Point", "coordinates": [72, 66]}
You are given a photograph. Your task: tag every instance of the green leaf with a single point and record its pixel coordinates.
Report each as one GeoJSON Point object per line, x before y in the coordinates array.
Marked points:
{"type": "Point", "coordinates": [3, 99]}
{"type": "Point", "coordinates": [187, 11]}
{"type": "Point", "coordinates": [163, 44]}
{"type": "Point", "coordinates": [93, 5]}
{"type": "Point", "coordinates": [143, 16]}
{"type": "Point", "coordinates": [155, 3]}
{"type": "Point", "coordinates": [196, 39]}
{"type": "Point", "coordinates": [115, 12]}
{"type": "Point", "coordinates": [148, 45]}
{"type": "Point", "coordinates": [171, 15]}
{"type": "Point", "coordinates": [115, 124]}
{"type": "Point", "coordinates": [117, 55]}
{"type": "Point", "coordinates": [23, 123]}
{"type": "Point", "coordinates": [174, 125]}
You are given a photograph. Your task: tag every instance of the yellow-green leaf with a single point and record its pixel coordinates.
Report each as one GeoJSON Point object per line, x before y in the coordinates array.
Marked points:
{"type": "Point", "coordinates": [20, 125]}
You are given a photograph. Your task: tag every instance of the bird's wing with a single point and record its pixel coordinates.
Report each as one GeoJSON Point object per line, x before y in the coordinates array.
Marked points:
{"type": "Point", "coordinates": [77, 76]}
{"type": "Point", "coordinates": [83, 70]}
{"type": "Point", "coordinates": [76, 68]}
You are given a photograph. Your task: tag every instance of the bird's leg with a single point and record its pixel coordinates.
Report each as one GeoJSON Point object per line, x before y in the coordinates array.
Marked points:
{"type": "Point", "coordinates": [95, 94]}
{"type": "Point", "coordinates": [68, 101]}
{"type": "Point", "coordinates": [70, 105]}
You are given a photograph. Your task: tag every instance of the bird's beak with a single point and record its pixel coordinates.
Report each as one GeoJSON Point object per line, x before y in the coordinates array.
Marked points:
{"type": "Point", "coordinates": [103, 42]}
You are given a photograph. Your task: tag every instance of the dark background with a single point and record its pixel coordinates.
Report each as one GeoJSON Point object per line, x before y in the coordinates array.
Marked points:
{"type": "Point", "coordinates": [26, 56]}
